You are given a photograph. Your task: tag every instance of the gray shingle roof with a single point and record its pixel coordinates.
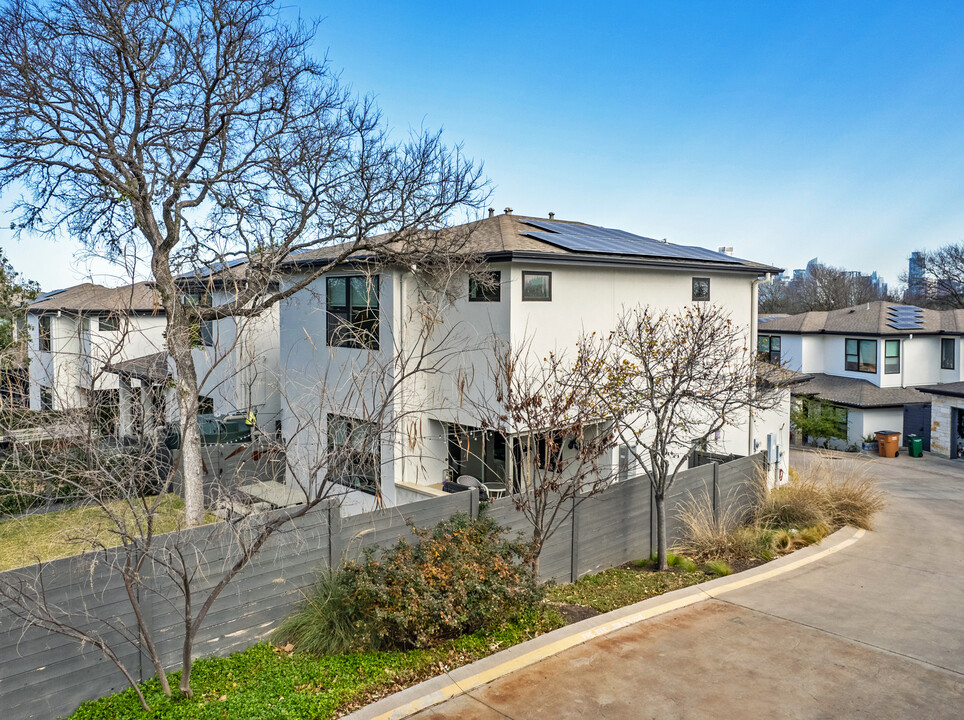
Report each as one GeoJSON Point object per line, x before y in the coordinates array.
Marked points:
{"type": "Point", "coordinates": [854, 392]}
{"type": "Point", "coordinates": [869, 319]}
{"type": "Point", "coordinates": [515, 235]}
{"type": "Point", "coordinates": [88, 297]}
{"type": "Point", "coordinates": [149, 367]}
{"type": "Point", "coordinates": [955, 389]}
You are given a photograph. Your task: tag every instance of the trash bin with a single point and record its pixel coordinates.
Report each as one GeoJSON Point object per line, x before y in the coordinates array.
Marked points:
{"type": "Point", "coordinates": [888, 443]}
{"type": "Point", "coordinates": [915, 445]}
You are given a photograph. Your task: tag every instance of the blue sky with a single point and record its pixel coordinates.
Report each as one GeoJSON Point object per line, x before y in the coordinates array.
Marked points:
{"type": "Point", "coordinates": [785, 130]}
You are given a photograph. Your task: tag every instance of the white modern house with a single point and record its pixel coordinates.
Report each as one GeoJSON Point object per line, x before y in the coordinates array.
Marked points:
{"type": "Point", "coordinates": [76, 335]}
{"type": "Point", "coordinates": [91, 344]}
{"type": "Point", "coordinates": [550, 282]}
{"type": "Point", "coordinates": [869, 362]}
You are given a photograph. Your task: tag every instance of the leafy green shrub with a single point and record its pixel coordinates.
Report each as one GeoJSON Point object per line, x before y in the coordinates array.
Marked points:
{"type": "Point", "coordinates": [718, 568]}
{"type": "Point", "coordinates": [460, 577]}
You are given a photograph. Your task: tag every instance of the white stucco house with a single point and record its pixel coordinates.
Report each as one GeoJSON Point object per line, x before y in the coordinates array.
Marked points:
{"type": "Point", "coordinates": [90, 344]}
{"type": "Point", "coordinates": [550, 281]}
{"type": "Point", "coordinates": [870, 362]}
{"type": "Point", "coordinates": [77, 334]}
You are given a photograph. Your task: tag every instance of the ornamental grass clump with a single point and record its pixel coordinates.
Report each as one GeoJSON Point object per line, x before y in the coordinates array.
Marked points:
{"type": "Point", "coordinates": [461, 576]}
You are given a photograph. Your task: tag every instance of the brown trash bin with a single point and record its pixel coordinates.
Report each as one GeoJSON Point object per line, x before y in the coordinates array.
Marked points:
{"type": "Point", "coordinates": [888, 443]}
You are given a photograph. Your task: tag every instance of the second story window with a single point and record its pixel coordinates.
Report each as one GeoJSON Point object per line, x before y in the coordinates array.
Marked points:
{"type": "Point", "coordinates": [486, 289]}
{"type": "Point", "coordinates": [891, 357]}
{"type": "Point", "coordinates": [861, 355]}
{"type": "Point", "coordinates": [352, 304]}
{"type": "Point", "coordinates": [43, 329]}
{"type": "Point", "coordinates": [768, 347]}
{"type": "Point", "coordinates": [536, 286]}
{"type": "Point", "coordinates": [701, 289]}
{"type": "Point", "coordinates": [947, 353]}
{"type": "Point", "coordinates": [108, 323]}
{"type": "Point", "coordinates": [202, 331]}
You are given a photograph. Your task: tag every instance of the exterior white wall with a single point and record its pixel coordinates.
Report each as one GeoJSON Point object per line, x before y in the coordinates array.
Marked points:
{"type": "Point", "coordinates": [316, 379]}
{"type": "Point", "coordinates": [77, 361]}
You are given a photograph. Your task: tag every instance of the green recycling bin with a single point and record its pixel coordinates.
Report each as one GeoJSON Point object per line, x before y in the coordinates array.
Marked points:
{"type": "Point", "coordinates": [915, 445]}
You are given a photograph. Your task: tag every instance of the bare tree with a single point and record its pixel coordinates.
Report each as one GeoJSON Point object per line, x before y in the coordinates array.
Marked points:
{"type": "Point", "coordinates": [822, 287]}
{"type": "Point", "coordinates": [547, 411]}
{"type": "Point", "coordinates": [674, 380]}
{"type": "Point", "coordinates": [202, 135]}
{"type": "Point", "coordinates": [944, 268]}
{"type": "Point", "coordinates": [132, 490]}
{"type": "Point", "coordinates": [16, 292]}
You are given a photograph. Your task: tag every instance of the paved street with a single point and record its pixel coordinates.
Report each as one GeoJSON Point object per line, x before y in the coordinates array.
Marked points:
{"type": "Point", "coordinates": [873, 631]}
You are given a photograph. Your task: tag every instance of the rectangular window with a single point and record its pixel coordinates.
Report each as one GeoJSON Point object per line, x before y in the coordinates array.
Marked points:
{"type": "Point", "coordinates": [354, 457]}
{"type": "Point", "coordinates": [947, 353]}
{"type": "Point", "coordinates": [486, 289]}
{"type": "Point", "coordinates": [44, 331]}
{"type": "Point", "coordinates": [537, 286]}
{"type": "Point", "coordinates": [352, 304]}
{"type": "Point", "coordinates": [109, 323]}
{"type": "Point", "coordinates": [202, 331]}
{"type": "Point", "coordinates": [768, 348]}
{"type": "Point", "coordinates": [46, 398]}
{"type": "Point", "coordinates": [701, 289]}
{"type": "Point", "coordinates": [891, 357]}
{"type": "Point", "coordinates": [860, 355]}
{"type": "Point", "coordinates": [205, 405]}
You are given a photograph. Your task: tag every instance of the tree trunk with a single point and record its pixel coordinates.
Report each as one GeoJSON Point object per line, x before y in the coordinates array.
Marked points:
{"type": "Point", "coordinates": [536, 551]}
{"type": "Point", "coordinates": [661, 560]}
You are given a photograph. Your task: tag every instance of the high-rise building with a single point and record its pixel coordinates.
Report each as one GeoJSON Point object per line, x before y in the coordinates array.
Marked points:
{"type": "Point", "coordinates": [916, 282]}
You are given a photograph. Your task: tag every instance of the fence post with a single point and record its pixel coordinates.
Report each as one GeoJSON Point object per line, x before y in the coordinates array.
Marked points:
{"type": "Point", "coordinates": [473, 503]}
{"type": "Point", "coordinates": [574, 546]}
{"type": "Point", "coordinates": [716, 493]}
{"type": "Point", "coordinates": [145, 598]}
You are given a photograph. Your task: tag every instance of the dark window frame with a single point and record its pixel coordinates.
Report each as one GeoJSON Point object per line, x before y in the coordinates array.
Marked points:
{"type": "Point", "coordinates": [856, 365]}
{"type": "Point", "coordinates": [770, 354]}
{"type": "Point", "coordinates": [526, 274]}
{"type": "Point", "coordinates": [108, 323]}
{"type": "Point", "coordinates": [947, 358]}
{"type": "Point", "coordinates": [890, 369]}
{"type": "Point", "coordinates": [46, 398]}
{"type": "Point", "coordinates": [696, 297]}
{"type": "Point", "coordinates": [348, 325]}
{"type": "Point", "coordinates": [202, 331]}
{"type": "Point", "coordinates": [487, 292]}
{"type": "Point", "coordinates": [358, 470]}
{"type": "Point", "coordinates": [45, 334]}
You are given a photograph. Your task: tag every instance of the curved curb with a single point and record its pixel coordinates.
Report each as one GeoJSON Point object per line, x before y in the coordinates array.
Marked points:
{"type": "Point", "coordinates": [469, 677]}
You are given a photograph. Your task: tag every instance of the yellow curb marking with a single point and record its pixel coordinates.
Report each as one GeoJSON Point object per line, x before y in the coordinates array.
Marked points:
{"type": "Point", "coordinates": [533, 656]}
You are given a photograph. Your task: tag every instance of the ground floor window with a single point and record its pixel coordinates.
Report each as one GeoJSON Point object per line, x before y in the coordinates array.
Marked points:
{"type": "Point", "coordinates": [354, 457]}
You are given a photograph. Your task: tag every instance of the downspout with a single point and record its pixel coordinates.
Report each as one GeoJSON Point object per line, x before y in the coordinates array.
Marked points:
{"type": "Point", "coordinates": [754, 335]}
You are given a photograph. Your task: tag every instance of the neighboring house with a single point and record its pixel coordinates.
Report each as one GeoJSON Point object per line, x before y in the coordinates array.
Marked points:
{"type": "Point", "coordinates": [77, 334]}
{"type": "Point", "coordinates": [550, 282]}
{"type": "Point", "coordinates": [868, 363]}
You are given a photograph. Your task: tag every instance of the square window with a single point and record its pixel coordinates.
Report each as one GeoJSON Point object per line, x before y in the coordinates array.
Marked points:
{"type": "Point", "coordinates": [486, 289]}
{"type": "Point", "coordinates": [537, 286]}
{"type": "Point", "coordinates": [947, 353]}
{"type": "Point", "coordinates": [860, 355]}
{"type": "Point", "coordinates": [701, 289]}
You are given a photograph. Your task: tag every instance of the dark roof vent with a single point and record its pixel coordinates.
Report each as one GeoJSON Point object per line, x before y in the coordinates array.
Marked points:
{"type": "Point", "coordinates": [508, 211]}
{"type": "Point", "coordinates": [552, 216]}
{"type": "Point", "coordinates": [491, 212]}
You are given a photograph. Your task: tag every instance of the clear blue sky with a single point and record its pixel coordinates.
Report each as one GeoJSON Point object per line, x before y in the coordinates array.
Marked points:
{"type": "Point", "coordinates": [785, 130]}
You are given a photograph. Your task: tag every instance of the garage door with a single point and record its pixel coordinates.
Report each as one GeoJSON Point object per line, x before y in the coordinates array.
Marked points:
{"type": "Point", "coordinates": [917, 421]}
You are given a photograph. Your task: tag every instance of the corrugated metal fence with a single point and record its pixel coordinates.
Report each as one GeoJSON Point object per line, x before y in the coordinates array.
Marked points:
{"type": "Point", "coordinates": [46, 675]}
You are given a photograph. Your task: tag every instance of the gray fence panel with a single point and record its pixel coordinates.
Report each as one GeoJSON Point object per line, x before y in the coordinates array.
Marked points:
{"type": "Point", "coordinates": [738, 483]}
{"type": "Point", "coordinates": [691, 486]}
{"type": "Point", "coordinates": [613, 528]}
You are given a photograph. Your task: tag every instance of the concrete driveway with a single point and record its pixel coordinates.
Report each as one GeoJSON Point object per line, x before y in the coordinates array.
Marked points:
{"type": "Point", "coordinates": [873, 631]}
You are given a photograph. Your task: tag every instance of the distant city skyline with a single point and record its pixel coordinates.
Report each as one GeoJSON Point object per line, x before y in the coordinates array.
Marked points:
{"type": "Point", "coordinates": [783, 131]}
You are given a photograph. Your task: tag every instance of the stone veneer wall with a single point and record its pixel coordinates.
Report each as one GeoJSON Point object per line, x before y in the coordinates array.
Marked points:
{"type": "Point", "coordinates": [941, 423]}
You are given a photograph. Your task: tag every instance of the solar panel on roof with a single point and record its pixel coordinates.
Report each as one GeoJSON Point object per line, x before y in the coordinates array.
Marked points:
{"type": "Point", "coordinates": [47, 295]}
{"type": "Point", "coordinates": [590, 238]}
{"type": "Point", "coordinates": [905, 325]}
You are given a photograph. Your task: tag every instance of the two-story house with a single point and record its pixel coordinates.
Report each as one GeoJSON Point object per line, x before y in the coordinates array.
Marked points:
{"type": "Point", "coordinates": [868, 362]}
{"type": "Point", "coordinates": [78, 335]}
{"type": "Point", "coordinates": [550, 281]}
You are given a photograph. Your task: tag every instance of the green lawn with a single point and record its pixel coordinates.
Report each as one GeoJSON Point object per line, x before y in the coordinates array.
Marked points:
{"type": "Point", "coordinates": [53, 535]}
{"type": "Point", "coordinates": [266, 682]}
